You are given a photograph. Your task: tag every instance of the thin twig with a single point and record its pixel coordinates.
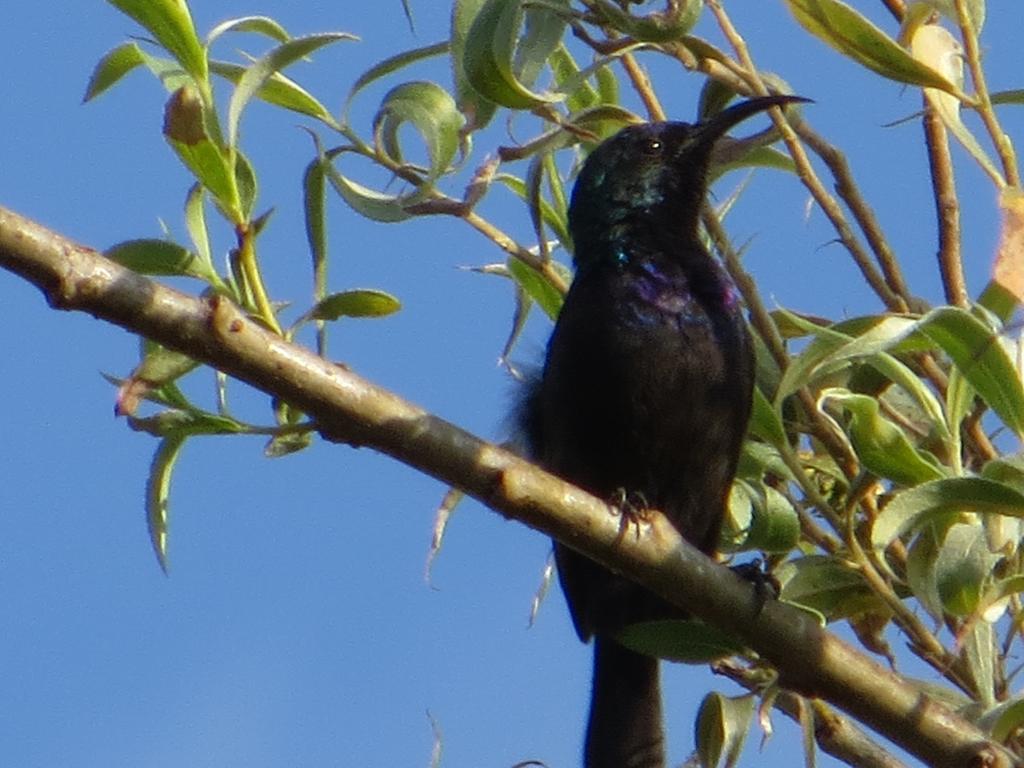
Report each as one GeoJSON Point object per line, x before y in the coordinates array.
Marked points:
{"type": "Point", "coordinates": [897, 8]}
{"type": "Point", "coordinates": [835, 734]}
{"type": "Point", "coordinates": [642, 86]}
{"type": "Point", "coordinates": [988, 116]}
{"type": "Point", "coordinates": [862, 213]}
{"type": "Point", "coordinates": [928, 646]}
{"type": "Point", "coordinates": [947, 208]}
{"type": "Point", "coordinates": [833, 211]}
{"type": "Point", "coordinates": [766, 328]}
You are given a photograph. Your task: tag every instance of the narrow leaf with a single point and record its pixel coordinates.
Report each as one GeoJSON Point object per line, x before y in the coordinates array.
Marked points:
{"type": "Point", "coordinates": [548, 297]}
{"type": "Point", "coordinates": [489, 53]}
{"type": "Point", "coordinates": [390, 65]}
{"type": "Point", "coordinates": [855, 37]}
{"type": "Point", "coordinates": [155, 257]}
{"type": "Point", "coordinates": [477, 108]}
{"type": "Point", "coordinates": [170, 23]}
{"type": "Point", "coordinates": [278, 90]}
{"type": "Point", "coordinates": [367, 202]}
{"type": "Point", "coordinates": [157, 494]}
{"type": "Point", "coordinates": [264, 68]}
{"type": "Point", "coordinates": [356, 303]}
{"type": "Point", "coordinates": [111, 68]}
{"type": "Point", "coordinates": [881, 446]}
{"type": "Point", "coordinates": [431, 111]}
{"type": "Point", "coordinates": [914, 507]}
{"type": "Point", "coordinates": [978, 352]}
{"type": "Point", "coordinates": [687, 642]}
{"type": "Point", "coordinates": [721, 728]}
{"type": "Point", "coordinates": [260, 25]}
{"type": "Point", "coordinates": [195, 222]}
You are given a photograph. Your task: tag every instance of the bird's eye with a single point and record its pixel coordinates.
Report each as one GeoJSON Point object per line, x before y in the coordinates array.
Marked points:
{"type": "Point", "coordinates": [653, 146]}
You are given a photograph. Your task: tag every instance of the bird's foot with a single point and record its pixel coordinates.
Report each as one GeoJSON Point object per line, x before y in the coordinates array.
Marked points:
{"type": "Point", "coordinates": [631, 507]}
{"type": "Point", "coordinates": [766, 586]}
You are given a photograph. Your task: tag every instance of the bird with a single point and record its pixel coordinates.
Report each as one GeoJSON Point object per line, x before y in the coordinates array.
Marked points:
{"type": "Point", "coordinates": [644, 395]}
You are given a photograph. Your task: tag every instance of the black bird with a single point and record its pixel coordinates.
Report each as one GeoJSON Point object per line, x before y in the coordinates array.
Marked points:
{"type": "Point", "coordinates": [645, 394]}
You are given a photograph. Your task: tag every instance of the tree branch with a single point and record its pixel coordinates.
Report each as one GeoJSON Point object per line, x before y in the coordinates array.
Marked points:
{"type": "Point", "coordinates": [350, 409]}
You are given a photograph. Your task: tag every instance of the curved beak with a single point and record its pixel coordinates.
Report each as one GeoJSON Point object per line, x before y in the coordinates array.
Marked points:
{"type": "Point", "coordinates": [718, 125]}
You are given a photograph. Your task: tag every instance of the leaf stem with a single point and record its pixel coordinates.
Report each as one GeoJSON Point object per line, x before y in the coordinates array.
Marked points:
{"type": "Point", "coordinates": [988, 116]}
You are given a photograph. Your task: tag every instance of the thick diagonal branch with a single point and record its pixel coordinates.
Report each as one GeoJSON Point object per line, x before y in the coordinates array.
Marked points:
{"type": "Point", "coordinates": [350, 409]}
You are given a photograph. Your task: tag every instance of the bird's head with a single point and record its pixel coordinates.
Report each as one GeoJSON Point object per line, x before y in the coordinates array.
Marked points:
{"type": "Point", "coordinates": [651, 175]}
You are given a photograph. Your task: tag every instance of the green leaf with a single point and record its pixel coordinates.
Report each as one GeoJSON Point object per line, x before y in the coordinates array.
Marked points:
{"type": "Point", "coordinates": [195, 222]}
{"type": "Point", "coordinates": [431, 111]}
{"type": "Point", "coordinates": [803, 369]}
{"type": "Point", "coordinates": [367, 202]}
{"type": "Point", "coordinates": [773, 525]}
{"type": "Point", "coordinates": [279, 90]}
{"type": "Point", "coordinates": [547, 296]}
{"type": "Point", "coordinates": [1004, 720]}
{"type": "Point", "coordinates": [155, 257]}
{"type": "Point", "coordinates": [881, 446]}
{"type": "Point", "coordinates": [558, 223]}
{"type": "Point", "coordinates": [921, 559]}
{"type": "Point", "coordinates": [158, 487]}
{"type": "Point", "coordinates": [245, 183]}
{"type": "Point", "coordinates": [855, 37]}
{"type": "Point", "coordinates": [542, 36]}
{"type": "Point", "coordinates": [765, 422]}
{"type": "Point", "coordinates": [688, 642]}
{"type": "Point", "coordinates": [287, 443]}
{"type": "Point", "coordinates": [978, 353]}
{"type": "Point", "coordinates": [1008, 470]}
{"type": "Point", "coordinates": [314, 207]}
{"type": "Point", "coordinates": [564, 69]}
{"type": "Point", "coordinates": [111, 68]}
{"type": "Point", "coordinates": [758, 157]}
{"type": "Point", "coordinates": [963, 566]}
{"type": "Point", "coordinates": [980, 649]}
{"type": "Point", "coordinates": [170, 23]}
{"type": "Point", "coordinates": [477, 108]}
{"type": "Point", "coordinates": [866, 340]}
{"type": "Point", "coordinates": [721, 728]}
{"type": "Point", "coordinates": [173, 422]}
{"type": "Point", "coordinates": [760, 459]}
{"type": "Point", "coordinates": [914, 507]}
{"type": "Point", "coordinates": [260, 25]}
{"type": "Point", "coordinates": [827, 586]}
{"type": "Point", "coordinates": [490, 51]}
{"type": "Point", "coordinates": [258, 73]}
{"type": "Point", "coordinates": [355, 303]}
{"type": "Point", "coordinates": [1015, 96]}
{"type": "Point", "coordinates": [388, 66]}
{"type": "Point", "coordinates": [167, 71]}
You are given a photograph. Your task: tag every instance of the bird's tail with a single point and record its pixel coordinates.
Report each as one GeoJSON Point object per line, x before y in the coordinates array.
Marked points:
{"type": "Point", "coordinates": [624, 730]}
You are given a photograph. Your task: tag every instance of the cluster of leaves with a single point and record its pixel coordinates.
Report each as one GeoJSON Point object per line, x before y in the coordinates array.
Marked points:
{"type": "Point", "coordinates": [870, 476]}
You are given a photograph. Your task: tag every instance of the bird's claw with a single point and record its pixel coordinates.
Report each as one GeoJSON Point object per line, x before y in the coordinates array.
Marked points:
{"type": "Point", "coordinates": [630, 507]}
{"type": "Point", "coordinates": [766, 586]}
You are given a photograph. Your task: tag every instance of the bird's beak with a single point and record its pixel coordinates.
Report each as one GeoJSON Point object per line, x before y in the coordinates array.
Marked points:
{"type": "Point", "coordinates": [712, 129]}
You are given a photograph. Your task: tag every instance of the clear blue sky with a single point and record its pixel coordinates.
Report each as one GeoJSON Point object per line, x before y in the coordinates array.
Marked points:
{"type": "Point", "coordinates": [296, 628]}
